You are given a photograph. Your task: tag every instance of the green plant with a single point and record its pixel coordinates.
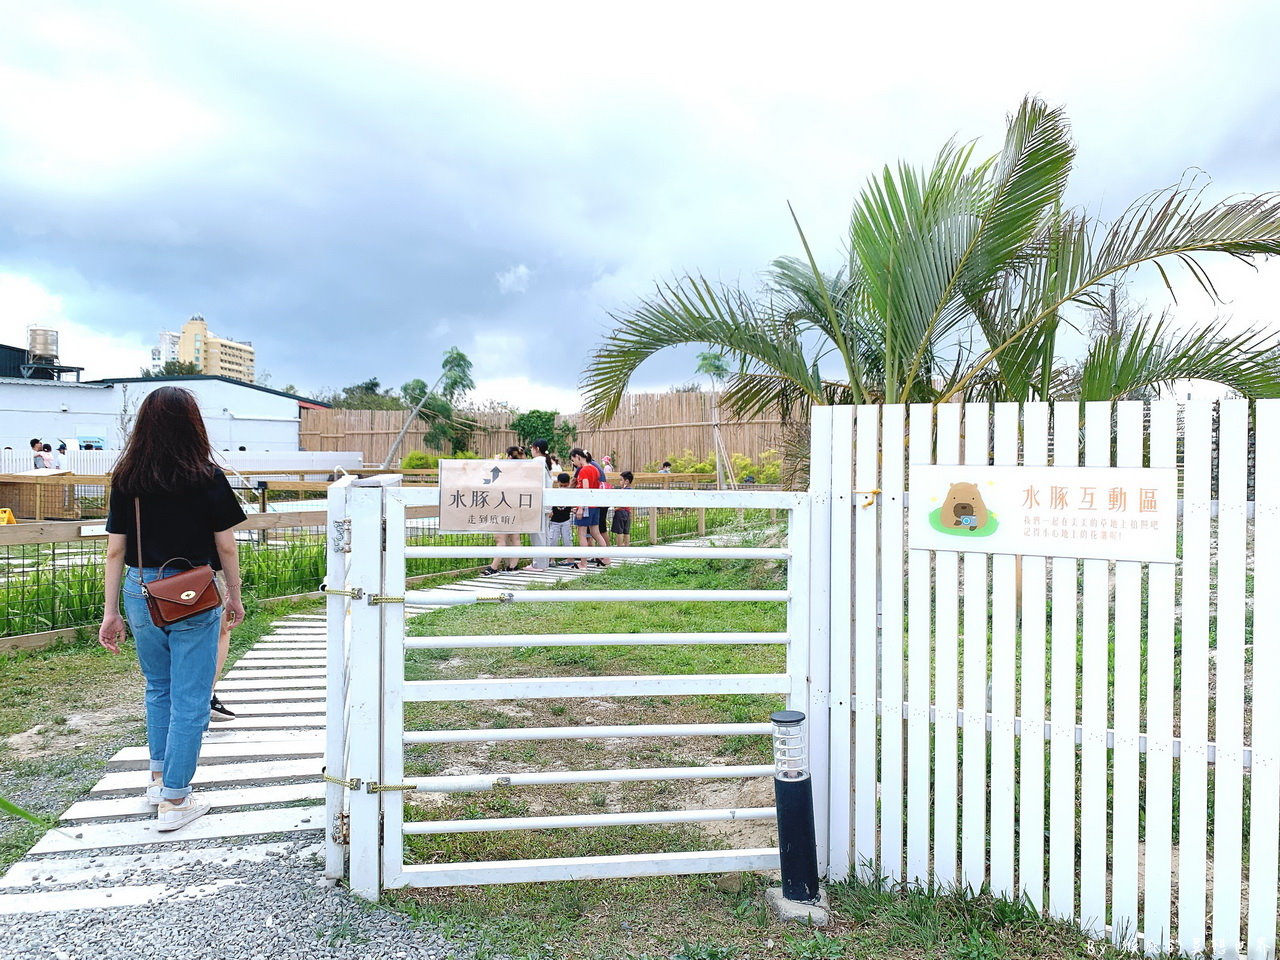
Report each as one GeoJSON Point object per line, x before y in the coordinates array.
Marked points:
{"type": "Point", "coordinates": [815, 946]}
{"type": "Point", "coordinates": [541, 424]}
{"type": "Point", "coordinates": [418, 460]}
{"type": "Point", "coordinates": [704, 951]}
{"type": "Point", "coordinates": [11, 809]}
{"type": "Point", "coordinates": [768, 469]}
{"type": "Point", "coordinates": [955, 284]}
{"type": "Point", "coordinates": [977, 946]}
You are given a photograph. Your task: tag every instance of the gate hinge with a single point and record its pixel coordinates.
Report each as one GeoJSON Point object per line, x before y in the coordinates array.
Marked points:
{"type": "Point", "coordinates": [342, 535]}
{"type": "Point", "coordinates": [355, 593]}
{"type": "Point", "coordinates": [340, 832]}
{"type": "Point", "coordinates": [376, 598]}
{"type": "Point", "coordinates": [375, 787]}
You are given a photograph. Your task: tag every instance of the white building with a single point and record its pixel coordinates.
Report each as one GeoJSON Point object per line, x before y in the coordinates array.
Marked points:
{"type": "Point", "coordinates": [237, 415]}
{"type": "Point", "coordinates": [166, 351]}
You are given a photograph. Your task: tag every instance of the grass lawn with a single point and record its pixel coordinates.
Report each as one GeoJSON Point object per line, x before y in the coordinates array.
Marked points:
{"type": "Point", "coordinates": [683, 918]}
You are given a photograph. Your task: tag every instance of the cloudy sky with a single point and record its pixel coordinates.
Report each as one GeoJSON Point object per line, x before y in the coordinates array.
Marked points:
{"type": "Point", "coordinates": [357, 187]}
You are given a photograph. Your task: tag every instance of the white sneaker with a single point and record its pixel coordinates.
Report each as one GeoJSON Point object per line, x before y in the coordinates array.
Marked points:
{"type": "Point", "coordinates": [153, 793]}
{"type": "Point", "coordinates": [171, 816]}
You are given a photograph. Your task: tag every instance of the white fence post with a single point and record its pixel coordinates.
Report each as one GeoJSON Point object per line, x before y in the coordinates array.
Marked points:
{"type": "Point", "coordinates": [1062, 695]}
{"type": "Point", "coordinates": [946, 650]}
{"type": "Point", "coordinates": [831, 489]}
{"type": "Point", "coordinates": [919, 663]}
{"type": "Point", "coordinates": [338, 543]}
{"type": "Point", "coordinates": [1264, 786]}
{"type": "Point", "coordinates": [393, 585]}
{"type": "Point", "coordinates": [1158, 813]}
{"type": "Point", "coordinates": [829, 782]}
{"type": "Point", "coordinates": [1193, 718]}
{"type": "Point", "coordinates": [891, 502]}
{"type": "Point", "coordinates": [1094, 670]}
{"type": "Point", "coordinates": [1004, 659]}
{"type": "Point", "coordinates": [864, 580]}
{"type": "Point", "coordinates": [1034, 603]}
{"type": "Point", "coordinates": [974, 676]}
{"type": "Point", "coordinates": [364, 689]}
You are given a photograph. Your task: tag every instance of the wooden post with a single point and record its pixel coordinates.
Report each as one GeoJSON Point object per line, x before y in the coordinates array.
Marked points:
{"type": "Point", "coordinates": [39, 511]}
{"type": "Point", "coordinates": [653, 525]}
{"type": "Point", "coordinates": [702, 521]}
{"type": "Point", "coordinates": [262, 508]}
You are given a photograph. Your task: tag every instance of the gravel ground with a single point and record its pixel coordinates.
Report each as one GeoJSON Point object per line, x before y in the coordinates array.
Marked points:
{"type": "Point", "coordinates": [47, 787]}
{"type": "Point", "coordinates": [282, 910]}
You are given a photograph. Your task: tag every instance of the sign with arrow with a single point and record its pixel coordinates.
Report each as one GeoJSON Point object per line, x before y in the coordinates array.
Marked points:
{"type": "Point", "coordinates": [491, 496]}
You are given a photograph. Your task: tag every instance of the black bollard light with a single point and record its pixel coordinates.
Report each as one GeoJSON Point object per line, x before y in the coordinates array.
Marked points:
{"type": "Point", "coordinates": [793, 797]}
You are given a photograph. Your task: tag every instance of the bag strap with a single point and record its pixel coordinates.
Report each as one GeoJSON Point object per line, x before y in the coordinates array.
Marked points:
{"type": "Point", "coordinates": [137, 517]}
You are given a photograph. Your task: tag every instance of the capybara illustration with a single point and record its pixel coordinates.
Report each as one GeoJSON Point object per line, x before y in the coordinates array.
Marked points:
{"type": "Point", "coordinates": [964, 508]}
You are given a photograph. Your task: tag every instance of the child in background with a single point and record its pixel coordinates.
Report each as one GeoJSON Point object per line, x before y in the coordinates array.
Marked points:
{"type": "Point", "coordinates": [621, 527]}
{"type": "Point", "coordinates": [561, 528]}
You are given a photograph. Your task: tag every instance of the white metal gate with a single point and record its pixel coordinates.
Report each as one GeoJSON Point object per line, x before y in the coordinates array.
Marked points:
{"type": "Point", "coordinates": [367, 734]}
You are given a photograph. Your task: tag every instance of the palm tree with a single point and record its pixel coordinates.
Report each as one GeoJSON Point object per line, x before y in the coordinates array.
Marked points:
{"type": "Point", "coordinates": [712, 365]}
{"type": "Point", "coordinates": [955, 284]}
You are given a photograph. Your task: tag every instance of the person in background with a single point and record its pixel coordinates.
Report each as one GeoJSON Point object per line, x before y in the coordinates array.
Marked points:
{"type": "Point", "coordinates": [166, 483]}
{"type": "Point", "coordinates": [561, 528]}
{"type": "Point", "coordinates": [61, 459]}
{"type": "Point", "coordinates": [505, 539]}
{"type": "Point", "coordinates": [621, 527]}
{"type": "Point", "coordinates": [538, 451]}
{"type": "Point", "coordinates": [37, 448]}
{"type": "Point", "coordinates": [666, 466]}
{"type": "Point", "coordinates": [604, 467]}
{"type": "Point", "coordinates": [218, 711]}
{"type": "Point", "coordinates": [46, 456]}
{"type": "Point", "coordinates": [587, 519]}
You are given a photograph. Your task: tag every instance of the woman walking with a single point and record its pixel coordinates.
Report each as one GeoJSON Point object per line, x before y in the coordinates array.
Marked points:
{"type": "Point", "coordinates": [166, 491]}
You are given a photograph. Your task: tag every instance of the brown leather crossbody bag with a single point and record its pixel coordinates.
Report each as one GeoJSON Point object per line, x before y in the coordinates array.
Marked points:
{"type": "Point", "coordinates": [178, 596]}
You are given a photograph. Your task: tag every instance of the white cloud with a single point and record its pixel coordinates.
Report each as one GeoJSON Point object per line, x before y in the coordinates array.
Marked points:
{"type": "Point", "coordinates": [524, 394]}
{"type": "Point", "coordinates": [514, 279]}
{"type": "Point", "coordinates": [23, 301]}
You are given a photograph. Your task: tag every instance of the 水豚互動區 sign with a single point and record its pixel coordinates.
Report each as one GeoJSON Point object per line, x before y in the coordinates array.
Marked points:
{"type": "Point", "coordinates": [491, 496]}
{"type": "Point", "coordinates": [1102, 513]}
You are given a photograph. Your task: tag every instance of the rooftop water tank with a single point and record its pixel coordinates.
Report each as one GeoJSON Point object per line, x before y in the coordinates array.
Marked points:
{"type": "Point", "coordinates": [42, 342]}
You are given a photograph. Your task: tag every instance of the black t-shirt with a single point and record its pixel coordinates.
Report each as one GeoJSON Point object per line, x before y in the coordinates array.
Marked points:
{"type": "Point", "coordinates": [180, 524]}
{"type": "Point", "coordinates": [560, 514]}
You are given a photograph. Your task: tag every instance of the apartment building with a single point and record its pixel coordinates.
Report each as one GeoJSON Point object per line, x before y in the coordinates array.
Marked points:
{"type": "Point", "coordinates": [214, 355]}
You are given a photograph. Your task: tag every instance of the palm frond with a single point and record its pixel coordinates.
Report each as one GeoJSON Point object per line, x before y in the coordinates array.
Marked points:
{"type": "Point", "coordinates": [1078, 255]}
{"type": "Point", "coordinates": [689, 311]}
{"type": "Point", "coordinates": [1130, 363]}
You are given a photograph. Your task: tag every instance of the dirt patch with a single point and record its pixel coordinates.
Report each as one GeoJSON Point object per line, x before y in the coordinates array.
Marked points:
{"type": "Point", "coordinates": [56, 739]}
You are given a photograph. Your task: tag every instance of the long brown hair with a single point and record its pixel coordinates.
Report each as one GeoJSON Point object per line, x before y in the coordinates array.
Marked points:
{"type": "Point", "coordinates": [168, 449]}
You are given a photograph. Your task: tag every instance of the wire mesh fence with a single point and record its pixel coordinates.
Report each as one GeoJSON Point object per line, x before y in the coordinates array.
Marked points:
{"type": "Point", "coordinates": [57, 583]}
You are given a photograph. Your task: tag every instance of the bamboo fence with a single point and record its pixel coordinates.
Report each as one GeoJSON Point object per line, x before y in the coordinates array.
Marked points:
{"type": "Point", "coordinates": [648, 428]}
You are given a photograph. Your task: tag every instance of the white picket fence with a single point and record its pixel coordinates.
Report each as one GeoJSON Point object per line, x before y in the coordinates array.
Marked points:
{"type": "Point", "coordinates": [1107, 759]}
{"type": "Point", "coordinates": [98, 462]}
{"type": "Point", "coordinates": [1082, 733]}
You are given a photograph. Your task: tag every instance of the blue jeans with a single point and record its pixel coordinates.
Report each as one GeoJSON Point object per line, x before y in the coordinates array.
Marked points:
{"type": "Point", "coordinates": [179, 662]}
